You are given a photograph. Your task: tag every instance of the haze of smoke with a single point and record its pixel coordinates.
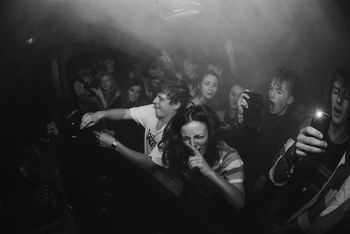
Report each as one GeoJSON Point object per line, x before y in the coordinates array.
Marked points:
{"type": "Point", "coordinates": [302, 34]}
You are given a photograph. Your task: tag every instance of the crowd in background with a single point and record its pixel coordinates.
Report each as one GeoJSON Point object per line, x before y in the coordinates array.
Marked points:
{"type": "Point", "coordinates": [259, 123]}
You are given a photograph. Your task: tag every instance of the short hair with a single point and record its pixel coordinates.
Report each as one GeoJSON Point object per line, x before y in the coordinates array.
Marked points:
{"type": "Point", "coordinates": [177, 91]}
{"type": "Point", "coordinates": [286, 74]}
{"type": "Point", "coordinates": [337, 75]}
{"type": "Point", "coordinates": [135, 82]}
{"type": "Point", "coordinates": [341, 76]}
{"type": "Point", "coordinates": [175, 153]}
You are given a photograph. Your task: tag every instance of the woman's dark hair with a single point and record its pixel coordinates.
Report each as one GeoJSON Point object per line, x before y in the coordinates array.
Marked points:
{"type": "Point", "coordinates": [124, 98]}
{"type": "Point", "coordinates": [175, 153]}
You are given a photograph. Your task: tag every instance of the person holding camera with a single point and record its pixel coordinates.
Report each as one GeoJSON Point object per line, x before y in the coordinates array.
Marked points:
{"type": "Point", "coordinates": [314, 170]}
{"type": "Point", "coordinates": [263, 132]}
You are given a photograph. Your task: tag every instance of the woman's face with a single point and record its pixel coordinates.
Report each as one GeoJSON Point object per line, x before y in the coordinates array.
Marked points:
{"type": "Point", "coordinates": [209, 86]}
{"type": "Point", "coordinates": [195, 133]}
{"type": "Point", "coordinates": [106, 82]}
{"type": "Point", "coordinates": [235, 92]}
{"type": "Point", "coordinates": [134, 93]}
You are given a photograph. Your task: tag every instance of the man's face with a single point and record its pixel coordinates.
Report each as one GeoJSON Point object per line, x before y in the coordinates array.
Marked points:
{"type": "Point", "coordinates": [109, 63]}
{"type": "Point", "coordinates": [163, 106]}
{"type": "Point", "coordinates": [189, 67]}
{"type": "Point", "coordinates": [279, 97]}
{"type": "Point", "coordinates": [339, 104]}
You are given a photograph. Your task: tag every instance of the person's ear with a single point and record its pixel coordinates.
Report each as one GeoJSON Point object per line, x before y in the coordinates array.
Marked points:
{"type": "Point", "coordinates": [290, 100]}
{"type": "Point", "coordinates": [176, 106]}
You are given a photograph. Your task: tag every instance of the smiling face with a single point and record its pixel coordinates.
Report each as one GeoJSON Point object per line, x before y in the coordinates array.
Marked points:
{"type": "Point", "coordinates": [195, 133]}
{"type": "Point", "coordinates": [279, 97]}
{"type": "Point", "coordinates": [134, 92]}
{"type": "Point", "coordinates": [340, 104]}
{"type": "Point", "coordinates": [209, 86]}
{"type": "Point", "coordinates": [106, 82]}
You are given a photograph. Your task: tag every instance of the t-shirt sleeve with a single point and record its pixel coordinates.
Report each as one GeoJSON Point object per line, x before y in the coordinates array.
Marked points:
{"type": "Point", "coordinates": [232, 167]}
{"type": "Point", "coordinates": [142, 114]}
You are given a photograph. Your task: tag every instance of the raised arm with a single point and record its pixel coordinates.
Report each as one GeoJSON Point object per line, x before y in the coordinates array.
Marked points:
{"type": "Point", "coordinates": [90, 119]}
{"type": "Point", "coordinates": [309, 141]}
{"type": "Point", "coordinates": [232, 192]}
{"type": "Point", "coordinates": [231, 57]}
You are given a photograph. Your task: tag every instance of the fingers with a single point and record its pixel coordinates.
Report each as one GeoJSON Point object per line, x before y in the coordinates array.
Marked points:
{"type": "Point", "coordinates": [195, 162]}
{"type": "Point", "coordinates": [191, 147]}
{"type": "Point", "coordinates": [87, 120]}
{"type": "Point", "coordinates": [84, 121]}
{"type": "Point", "coordinates": [242, 100]}
{"type": "Point", "coordinates": [312, 132]}
{"type": "Point", "coordinates": [309, 141]}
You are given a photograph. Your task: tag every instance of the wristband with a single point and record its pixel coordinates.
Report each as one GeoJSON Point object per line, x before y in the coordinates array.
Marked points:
{"type": "Point", "coordinates": [114, 144]}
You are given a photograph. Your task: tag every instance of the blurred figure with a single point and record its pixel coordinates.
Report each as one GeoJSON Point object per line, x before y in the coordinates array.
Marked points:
{"type": "Point", "coordinates": [315, 171]}
{"type": "Point", "coordinates": [207, 88]}
{"type": "Point", "coordinates": [83, 85]}
{"type": "Point", "coordinates": [190, 74]}
{"type": "Point", "coordinates": [107, 90]}
{"type": "Point", "coordinates": [212, 170]}
{"type": "Point", "coordinates": [153, 75]}
{"type": "Point", "coordinates": [133, 96]}
{"type": "Point", "coordinates": [229, 116]}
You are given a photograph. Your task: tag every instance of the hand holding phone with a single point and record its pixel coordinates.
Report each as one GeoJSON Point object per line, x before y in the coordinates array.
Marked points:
{"type": "Point", "coordinates": [321, 121]}
{"type": "Point", "coordinates": [253, 114]}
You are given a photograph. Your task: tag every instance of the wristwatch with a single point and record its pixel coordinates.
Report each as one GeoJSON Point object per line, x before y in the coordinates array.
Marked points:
{"type": "Point", "coordinates": [114, 144]}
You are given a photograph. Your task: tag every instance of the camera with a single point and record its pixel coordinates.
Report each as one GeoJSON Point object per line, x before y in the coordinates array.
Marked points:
{"type": "Point", "coordinates": [321, 121]}
{"type": "Point", "coordinates": [253, 114]}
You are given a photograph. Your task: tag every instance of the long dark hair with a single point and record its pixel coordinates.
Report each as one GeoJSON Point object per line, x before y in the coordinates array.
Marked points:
{"type": "Point", "coordinates": [175, 153]}
{"type": "Point", "coordinates": [124, 101]}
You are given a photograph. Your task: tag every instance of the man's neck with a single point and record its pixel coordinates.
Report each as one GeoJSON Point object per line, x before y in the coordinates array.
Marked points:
{"type": "Point", "coordinates": [163, 121]}
{"type": "Point", "coordinates": [338, 134]}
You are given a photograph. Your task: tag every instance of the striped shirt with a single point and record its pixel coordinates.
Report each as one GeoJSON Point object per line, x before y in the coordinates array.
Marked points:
{"type": "Point", "coordinates": [230, 165]}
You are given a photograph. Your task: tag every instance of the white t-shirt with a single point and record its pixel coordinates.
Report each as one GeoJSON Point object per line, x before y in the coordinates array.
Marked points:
{"type": "Point", "coordinates": [146, 116]}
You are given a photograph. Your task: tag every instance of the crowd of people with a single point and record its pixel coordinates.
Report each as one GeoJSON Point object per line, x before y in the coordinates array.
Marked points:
{"type": "Point", "coordinates": [231, 158]}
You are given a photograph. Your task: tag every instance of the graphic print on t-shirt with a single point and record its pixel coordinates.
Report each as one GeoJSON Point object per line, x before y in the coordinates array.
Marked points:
{"type": "Point", "coordinates": [151, 140]}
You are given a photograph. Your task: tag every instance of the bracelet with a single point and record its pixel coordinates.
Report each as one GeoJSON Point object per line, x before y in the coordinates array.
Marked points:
{"type": "Point", "coordinates": [114, 144]}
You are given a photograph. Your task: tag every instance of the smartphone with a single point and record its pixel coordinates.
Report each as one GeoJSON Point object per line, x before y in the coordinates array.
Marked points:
{"type": "Point", "coordinates": [253, 114]}
{"type": "Point", "coordinates": [321, 121]}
